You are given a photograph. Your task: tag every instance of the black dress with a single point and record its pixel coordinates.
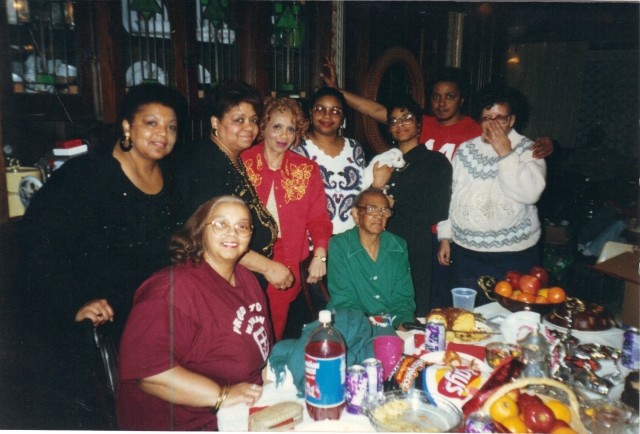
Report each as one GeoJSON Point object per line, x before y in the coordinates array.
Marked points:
{"type": "Point", "coordinates": [92, 234]}
{"type": "Point", "coordinates": [422, 192]}
{"type": "Point", "coordinates": [204, 171]}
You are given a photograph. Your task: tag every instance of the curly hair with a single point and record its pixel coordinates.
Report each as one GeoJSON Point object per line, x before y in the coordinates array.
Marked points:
{"type": "Point", "coordinates": [406, 103]}
{"type": "Point", "coordinates": [493, 94]}
{"type": "Point", "coordinates": [189, 243]}
{"type": "Point", "coordinates": [283, 104]}
{"type": "Point", "coordinates": [152, 93]}
{"type": "Point", "coordinates": [231, 93]}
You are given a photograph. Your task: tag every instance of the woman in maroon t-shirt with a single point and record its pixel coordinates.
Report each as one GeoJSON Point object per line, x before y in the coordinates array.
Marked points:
{"type": "Point", "coordinates": [199, 335]}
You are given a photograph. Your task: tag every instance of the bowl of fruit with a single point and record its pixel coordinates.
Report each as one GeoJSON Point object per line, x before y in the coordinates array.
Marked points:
{"type": "Point", "coordinates": [518, 291]}
{"type": "Point", "coordinates": [539, 405]}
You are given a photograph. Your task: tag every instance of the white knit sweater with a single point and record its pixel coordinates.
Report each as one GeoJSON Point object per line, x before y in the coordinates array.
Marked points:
{"type": "Point", "coordinates": [493, 202]}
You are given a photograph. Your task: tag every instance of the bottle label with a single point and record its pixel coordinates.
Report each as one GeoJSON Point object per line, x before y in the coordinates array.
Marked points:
{"type": "Point", "coordinates": [324, 380]}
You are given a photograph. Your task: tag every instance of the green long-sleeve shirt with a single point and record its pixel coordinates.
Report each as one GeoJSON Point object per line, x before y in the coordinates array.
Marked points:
{"type": "Point", "coordinates": [380, 287]}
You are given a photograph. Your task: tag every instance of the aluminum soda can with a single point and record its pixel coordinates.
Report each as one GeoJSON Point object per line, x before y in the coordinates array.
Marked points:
{"type": "Point", "coordinates": [355, 388]}
{"type": "Point", "coordinates": [479, 422]}
{"type": "Point", "coordinates": [375, 375]}
{"type": "Point", "coordinates": [631, 348]}
{"type": "Point", "coordinates": [434, 336]}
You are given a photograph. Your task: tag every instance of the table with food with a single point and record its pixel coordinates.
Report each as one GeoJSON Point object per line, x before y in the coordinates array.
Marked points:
{"type": "Point", "coordinates": [545, 363]}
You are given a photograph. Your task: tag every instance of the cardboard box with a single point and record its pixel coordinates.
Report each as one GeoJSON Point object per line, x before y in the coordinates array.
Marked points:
{"type": "Point", "coordinates": [626, 267]}
{"type": "Point", "coordinates": [556, 235]}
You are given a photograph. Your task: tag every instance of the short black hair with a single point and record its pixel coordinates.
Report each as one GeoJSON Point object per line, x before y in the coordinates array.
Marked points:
{"type": "Point", "coordinates": [152, 93]}
{"type": "Point", "coordinates": [405, 103]}
{"type": "Point", "coordinates": [493, 94]}
{"type": "Point", "coordinates": [231, 93]}
{"type": "Point", "coordinates": [451, 75]}
{"type": "Point", "coordinates": [327, 91]}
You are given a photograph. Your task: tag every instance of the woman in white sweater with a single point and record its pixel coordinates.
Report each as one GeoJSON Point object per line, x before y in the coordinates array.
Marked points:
{"type": "Point", "coordinates": [493, 224]}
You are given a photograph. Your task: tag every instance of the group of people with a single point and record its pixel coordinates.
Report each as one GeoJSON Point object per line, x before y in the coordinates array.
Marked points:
{"type": "Point", "coordinates": [193, 260]}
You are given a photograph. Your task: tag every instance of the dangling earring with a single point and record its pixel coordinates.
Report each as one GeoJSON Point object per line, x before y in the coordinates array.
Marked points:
{"type": "Point", "coordinates": [214, 131]}
{"type": "Point", "coordinates": [124, 139]}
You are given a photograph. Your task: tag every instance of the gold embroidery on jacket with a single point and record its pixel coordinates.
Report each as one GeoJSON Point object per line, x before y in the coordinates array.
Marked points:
{"type": "Point", "coordinates": [254, 177]}
{"type": "Point", "coordinates": [295, 180]}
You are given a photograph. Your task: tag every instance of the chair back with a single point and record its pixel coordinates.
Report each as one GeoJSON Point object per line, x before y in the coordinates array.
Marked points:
{"type": "Point", "coordinates": [307, 288]}
{"type": "Point", "coordinates": [612, 249]}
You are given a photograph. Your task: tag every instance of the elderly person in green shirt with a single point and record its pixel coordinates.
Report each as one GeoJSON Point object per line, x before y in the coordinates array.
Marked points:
{"type": "Point", "coordinates": [369, 268]}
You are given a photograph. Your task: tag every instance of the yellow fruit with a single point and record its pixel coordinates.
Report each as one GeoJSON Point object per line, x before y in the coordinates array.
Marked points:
{"type": "Point", "coordinates": [503, 408]}
{"type": "Point", "coordinates": [513, 424]}
{"type": "Point", "coordinates": [563, 430]}
{"type": "Point", "coordinates": [560, 410]}
{"type": "Point", "coordinates": [543, 292]}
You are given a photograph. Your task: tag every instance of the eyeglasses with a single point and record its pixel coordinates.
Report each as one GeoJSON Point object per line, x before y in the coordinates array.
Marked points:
{"type": "Point", "coordinates": [403, 120]}
{"type": "Point", "coordinates": [335, 111]}
{"type": "Point", "coordinates": [502, 120]}
{"type": "Point", "coordinates": [221, 227]}
{"type": "Point", "coordinates": [376, 210]}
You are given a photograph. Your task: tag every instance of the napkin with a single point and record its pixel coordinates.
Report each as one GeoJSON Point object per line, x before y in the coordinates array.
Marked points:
{"type": "Point", "coordinates": [356, 331]}
{"type": "Point", "coordinates": [518, 325]}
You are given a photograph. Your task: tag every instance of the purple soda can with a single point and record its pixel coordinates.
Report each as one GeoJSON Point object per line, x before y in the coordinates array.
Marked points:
{"type": "Point", "coordinates": [479, 422]}
{"type": "Point", "coordinates": [434, 336]}
{"type": "Point", "coordinates": [631, 348]}
{"type": "Point", "coordinates": [355, 388]}
{"type": "Point", "coordinates": [375, 375]}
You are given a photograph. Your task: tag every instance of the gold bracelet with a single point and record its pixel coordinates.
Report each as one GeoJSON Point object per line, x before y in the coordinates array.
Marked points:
{"type": "Point", "coordinates": [223, 395]}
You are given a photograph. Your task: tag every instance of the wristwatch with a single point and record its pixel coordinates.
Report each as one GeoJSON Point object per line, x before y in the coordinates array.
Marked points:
{"type": "Point", "coordinates": [322, 258]}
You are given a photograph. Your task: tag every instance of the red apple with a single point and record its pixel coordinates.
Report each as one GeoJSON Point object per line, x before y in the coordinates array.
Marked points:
{"type": "Point", "coordinates": [539, 418]}
{"type": "Point", "coordinates": [525, 399]}
{"type": "Point", "coordinates": [559, 424]}
{"type": "Point", "coordinates": [513, 277]}
{"type": "Point", "coordinates": [541, 274]}
{"type": "Point", "coordinates": [529, 284]}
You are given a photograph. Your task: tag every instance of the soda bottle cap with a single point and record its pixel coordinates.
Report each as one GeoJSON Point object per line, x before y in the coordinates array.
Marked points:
{"type": "Point", "coordinates": [324, 316]}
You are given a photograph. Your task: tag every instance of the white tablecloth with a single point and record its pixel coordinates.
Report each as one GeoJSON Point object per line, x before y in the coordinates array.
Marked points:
{"type": "Point", "coordinates": [237, 418]}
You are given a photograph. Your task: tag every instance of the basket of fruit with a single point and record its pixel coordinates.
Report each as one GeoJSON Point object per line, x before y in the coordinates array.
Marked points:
{"type": "Point", "coordinates": [519, 291]}
{"type": "Point", "coordinates": [539, 405]}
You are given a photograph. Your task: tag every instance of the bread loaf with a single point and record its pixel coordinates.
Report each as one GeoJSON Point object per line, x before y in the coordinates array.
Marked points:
{"type": "Point", "coordinates": [453, 318]}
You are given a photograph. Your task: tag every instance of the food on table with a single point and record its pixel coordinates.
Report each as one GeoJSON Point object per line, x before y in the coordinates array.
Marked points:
{"type": "Point", "coordinates": [451, 358]}
{"type": "Point", "coordinates": [538, 417]}
{"type": "Point", "coordinates": [514, 424]}
{"type": "Point", "coordinates": [283, 416]}
{"type": "Point", "coordinates": [541, 274]}
{"type": "Point", "coordinates": [453, 318]}
{"type": "Point", "coordinates": [513, 277]}
{"type": "Point", "coordinates": [560, 411]}
{"type": "Point", "coordinates": [529, 284]}
{"type": "Point", "coordinates": [460, 324]}
{"type": "Point", "coordinates": [495, 352]}
{"type": "Point", "coordinates": [503, 408]}
{"type": "Point", "coordinates": [586, 316]}
{"type": "Point", "coordinates": [503, 288]}
{"type": "Point", "coordinates": [556, 294]}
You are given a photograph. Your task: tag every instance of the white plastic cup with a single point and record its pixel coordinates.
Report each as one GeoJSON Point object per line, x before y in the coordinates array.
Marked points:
{"type": "Point", "coordinates": [464, 298]}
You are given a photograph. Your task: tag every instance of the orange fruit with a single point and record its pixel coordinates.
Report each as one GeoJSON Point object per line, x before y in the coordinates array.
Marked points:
{"type": "Point", "coordinates": [503, 408]}
{"type": "Point", "coordinates": [513, 424]}
{"type": "Point", "coordinates": [560, 410]}
{"type": "Point", "coordinates": [503, 288]}
{"type": "Point", "coordinates": [543, 292]}
{"type": "Point", "coordinates": [541, 300]}
{"type": "Point", "coordinates": [556, 295]}
{"type": "Point", "coordinates": [515, 294]}
{"type": "Point", "coordinates": [563, 430]}
{"type": "Point", "coordinates": [527, 298]}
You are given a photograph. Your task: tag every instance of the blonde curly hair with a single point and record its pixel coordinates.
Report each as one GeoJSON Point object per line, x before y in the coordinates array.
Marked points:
{"type": "Point", "coordinates": [300, 122]}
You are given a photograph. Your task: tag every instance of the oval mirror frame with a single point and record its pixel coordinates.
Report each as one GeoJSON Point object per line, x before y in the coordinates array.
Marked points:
{"type": "Point", "coordinates": [389, 57]}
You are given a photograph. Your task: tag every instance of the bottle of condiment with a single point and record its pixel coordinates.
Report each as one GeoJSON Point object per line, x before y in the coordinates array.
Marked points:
{"type": "Point", "coordinates": [325, 370]}
{"type": "Point", "coordinates": [535, 354]}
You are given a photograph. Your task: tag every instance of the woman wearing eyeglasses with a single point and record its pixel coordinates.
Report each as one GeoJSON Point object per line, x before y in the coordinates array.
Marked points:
{"type": "Point", "coordinates": [198, 336]}
{"type": "Point", "coordinates": [369, 267]}
{"type": "Point", "coordinates": [420, 192]}
{"type": "Point", "coordinates": [493, 224]}
{"type": "Point", "coordinates": [341, 160]}
{"type": "Point", "coordinates": [291, 188]}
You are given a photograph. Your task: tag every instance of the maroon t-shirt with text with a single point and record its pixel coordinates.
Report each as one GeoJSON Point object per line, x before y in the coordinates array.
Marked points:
{"type": "Point", "coordinates": [219, 331]}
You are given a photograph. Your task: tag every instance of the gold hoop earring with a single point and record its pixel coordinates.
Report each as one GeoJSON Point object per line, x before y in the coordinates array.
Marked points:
{"type": "Point", "coordinates": [126, 138]}
{"type": "Point", "coordinates": [214, 131]}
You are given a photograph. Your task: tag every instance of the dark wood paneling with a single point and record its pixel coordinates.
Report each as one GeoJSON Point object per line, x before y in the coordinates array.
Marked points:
{"type": "Point", "coordinates": [253, 45]}
{"type": "Point", "coordinates": [110, 58]}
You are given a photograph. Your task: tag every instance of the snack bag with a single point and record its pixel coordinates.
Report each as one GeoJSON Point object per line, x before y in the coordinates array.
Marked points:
{"type": "Point", "coordinates": [455, 384]}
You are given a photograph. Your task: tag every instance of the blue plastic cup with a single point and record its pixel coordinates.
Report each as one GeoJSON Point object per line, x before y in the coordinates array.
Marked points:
{"type": "Point", "coordinates": [464, 298]}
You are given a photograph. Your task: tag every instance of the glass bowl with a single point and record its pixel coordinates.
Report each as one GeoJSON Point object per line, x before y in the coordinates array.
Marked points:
{"type": "Point", "coordinates": [412, 410]}
{"type": "Point", "coordinates": [494, 352]}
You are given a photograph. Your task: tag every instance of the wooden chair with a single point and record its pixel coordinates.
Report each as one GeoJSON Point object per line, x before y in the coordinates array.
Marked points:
{"type": "Point", "coordinates": [308, 295]}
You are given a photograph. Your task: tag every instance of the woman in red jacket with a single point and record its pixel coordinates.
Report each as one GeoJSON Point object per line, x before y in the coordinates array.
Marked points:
{"type": "Point", "coordinates": [291, 188]}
